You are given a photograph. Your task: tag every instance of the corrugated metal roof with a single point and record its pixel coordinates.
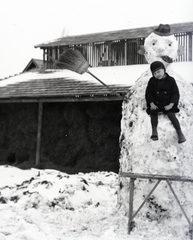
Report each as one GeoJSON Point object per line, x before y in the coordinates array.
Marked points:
{"type": "Point", "coordinates": [113, 35]}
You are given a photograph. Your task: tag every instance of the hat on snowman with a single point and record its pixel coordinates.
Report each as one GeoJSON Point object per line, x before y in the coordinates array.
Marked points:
{"type": "Point", "coordinates": [163, 30]}
{"type": "Point", "coordinates": [156, 66]}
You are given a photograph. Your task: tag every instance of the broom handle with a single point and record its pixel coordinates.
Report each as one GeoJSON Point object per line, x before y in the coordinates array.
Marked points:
{"type": "Point", "coordinates": [110, 89]}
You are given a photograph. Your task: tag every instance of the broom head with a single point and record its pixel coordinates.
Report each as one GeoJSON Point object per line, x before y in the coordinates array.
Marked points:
{"type": "Point", "coordinates": [73, 60]}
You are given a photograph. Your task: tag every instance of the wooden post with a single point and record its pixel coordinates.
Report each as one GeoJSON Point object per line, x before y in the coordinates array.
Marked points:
{"type": "Point", "coordinates": [190, 47]}
{"type": "Point", "coordinates": [109, 54]}
{"type": "Point", "coordinates": [131, 215]}
{"type": "Point", "coordinates": [131, 204]}
{"type": "Point", "coordinates": [125, 52]}
{"type": "Point", "coordinates": [44, 58]}
{"type": "Point", "coordinates": [39, 130]}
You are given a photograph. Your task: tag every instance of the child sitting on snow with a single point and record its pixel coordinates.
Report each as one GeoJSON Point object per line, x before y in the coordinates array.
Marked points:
{"type": "Point", "coordinates": [162, 95]}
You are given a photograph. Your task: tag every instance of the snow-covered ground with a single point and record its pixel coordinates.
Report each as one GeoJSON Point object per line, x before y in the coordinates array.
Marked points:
{"type": "Point", "coordinates": [48, 204]}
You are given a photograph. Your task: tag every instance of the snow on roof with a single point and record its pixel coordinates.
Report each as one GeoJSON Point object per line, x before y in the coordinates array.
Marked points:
{"type": "Point", "coordinates": [121, 75]}
{"type": "Point", "coordinates": [65, 82]}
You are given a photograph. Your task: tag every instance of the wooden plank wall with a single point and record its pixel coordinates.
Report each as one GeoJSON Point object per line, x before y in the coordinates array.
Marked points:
{"type": "Point", "coordinates": [117, 53]}
{"type": "Point", "coordinates": [185, 40]}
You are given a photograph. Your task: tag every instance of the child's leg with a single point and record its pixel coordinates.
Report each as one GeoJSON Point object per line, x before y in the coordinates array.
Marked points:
{"type": "Point", "coordinates": [174, 120]}
{"type": "Point", "coordinates": [176, 125]}
{"type": "Point", "coordinates": [154, 123]}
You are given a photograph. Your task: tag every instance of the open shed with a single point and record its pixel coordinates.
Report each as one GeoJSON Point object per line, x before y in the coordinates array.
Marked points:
{"type": "Point", "coordinates": [60, 119]}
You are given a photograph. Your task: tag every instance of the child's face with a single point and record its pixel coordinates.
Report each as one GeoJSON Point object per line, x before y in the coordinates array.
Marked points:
{"type": "Point", "coordinates": [159, 74]}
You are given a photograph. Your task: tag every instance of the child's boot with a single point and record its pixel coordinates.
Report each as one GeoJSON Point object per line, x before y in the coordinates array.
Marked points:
{"type": "Point", "coordinates": [181, 137]}
{"type": "Point", "coordinates": [154, 135]}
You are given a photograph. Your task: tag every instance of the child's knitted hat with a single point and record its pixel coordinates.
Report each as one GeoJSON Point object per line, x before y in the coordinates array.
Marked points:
{"type": "Point", "coordinates": [156, 66]}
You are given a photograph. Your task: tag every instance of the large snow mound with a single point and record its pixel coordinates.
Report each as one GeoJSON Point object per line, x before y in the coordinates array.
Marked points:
{"type": "Point", "coordinates": [139, 154]}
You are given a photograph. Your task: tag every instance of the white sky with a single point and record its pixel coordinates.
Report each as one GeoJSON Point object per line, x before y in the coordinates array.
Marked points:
{"type": "Point", "coordinates": [26, 23]}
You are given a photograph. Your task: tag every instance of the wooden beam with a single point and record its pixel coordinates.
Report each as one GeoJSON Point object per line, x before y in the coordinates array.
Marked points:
{"type": "Point", "coordinates": [80, 98]}
{"type": "Point", "coordinates": [39, 131]}
{"type": "Point", "coordinates": [154, 176]}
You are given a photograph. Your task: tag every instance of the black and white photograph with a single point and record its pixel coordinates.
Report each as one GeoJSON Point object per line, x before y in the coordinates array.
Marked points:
{"type": "Point", "coordinates": [96, 120]}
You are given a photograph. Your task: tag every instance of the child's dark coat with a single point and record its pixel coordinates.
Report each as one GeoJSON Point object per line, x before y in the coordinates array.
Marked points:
{"type": "Point", "coordinates": [161, 93]}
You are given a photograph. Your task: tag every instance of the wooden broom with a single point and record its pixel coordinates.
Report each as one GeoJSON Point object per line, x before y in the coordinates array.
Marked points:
{"type": "Point", "coordinates": [73, 60]}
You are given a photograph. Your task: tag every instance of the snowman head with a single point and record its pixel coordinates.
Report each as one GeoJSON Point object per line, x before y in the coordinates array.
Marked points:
{"type": "Point", "coordinates": [161, 46]}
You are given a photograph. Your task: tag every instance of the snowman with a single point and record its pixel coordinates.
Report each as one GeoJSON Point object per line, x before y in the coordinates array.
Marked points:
{"type": "Point", "coordinates": [161, 45]}
{"type": "Point", "coordinates": [139, 154]}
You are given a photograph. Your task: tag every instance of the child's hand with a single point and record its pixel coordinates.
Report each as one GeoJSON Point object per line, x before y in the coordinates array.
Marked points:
{"type": "Point", "coordinates": [168, 107]}
{"type": "Point", "coordinates": [153, 106]}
